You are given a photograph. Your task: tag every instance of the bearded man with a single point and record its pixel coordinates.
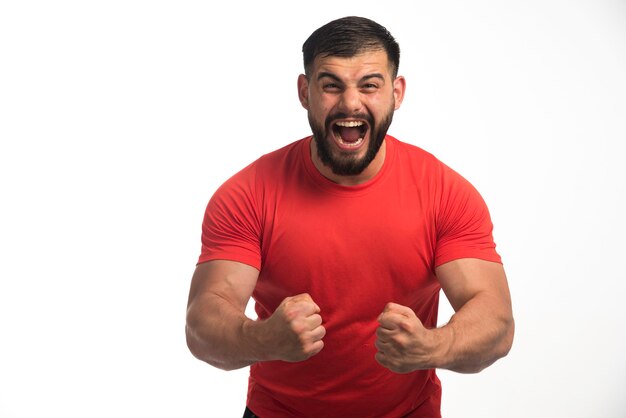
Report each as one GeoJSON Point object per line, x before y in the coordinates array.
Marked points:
{"type": "Point", "coordinates": [344, 240]}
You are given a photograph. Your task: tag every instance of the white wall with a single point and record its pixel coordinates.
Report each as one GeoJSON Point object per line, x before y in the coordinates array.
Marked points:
{"type": "Point", "coordinates": [119, 119]}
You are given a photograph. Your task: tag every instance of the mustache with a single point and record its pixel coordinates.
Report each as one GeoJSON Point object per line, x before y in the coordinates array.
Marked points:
{"type": "Point", "coordinates": [340, 115]}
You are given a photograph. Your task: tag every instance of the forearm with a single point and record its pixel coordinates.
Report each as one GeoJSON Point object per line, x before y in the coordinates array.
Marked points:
{"type": "Point", "coordinates": [475, 337]}
{"type": "Point", "coordinates": [220, 334]}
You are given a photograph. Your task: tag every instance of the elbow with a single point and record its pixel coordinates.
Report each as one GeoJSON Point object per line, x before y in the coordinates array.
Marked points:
{"type": "Point", "coordinates": [194, 346]}
{"type": "Point", "coordinates": [193, 343]}
{"type": "Point", "coordinates": [200, 349]}
{"type": "Point", "coordinates": [197, 346]}
{"type": "Point", "coordinates": [499, 350]}
{"type": "Point", "coordinates": [507, 340]}
{"type": "Point", "coordinates": [502, 348]}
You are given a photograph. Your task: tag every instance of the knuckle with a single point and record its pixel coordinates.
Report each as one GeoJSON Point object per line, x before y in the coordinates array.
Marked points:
{"type": "Point", "coordinates": [320, 330]}
{"type": "Point", "coordinates": [393, 365]}
{"type": "Point", "coordinates": [290, 311]}
{"type": "Point", "coordinates": [408, 325]}
{"type": "Point", "coordinates": [304, 339]}
{"type": "Point", "coordinates": [398, 342]}
{"type": "Point", "coordinates": [302, 297]}
{"type": "Point", "coordinates": [297, 327]}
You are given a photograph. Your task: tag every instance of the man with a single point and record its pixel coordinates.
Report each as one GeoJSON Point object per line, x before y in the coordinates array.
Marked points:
{"type": "Point", "coordinates": [344, 240]}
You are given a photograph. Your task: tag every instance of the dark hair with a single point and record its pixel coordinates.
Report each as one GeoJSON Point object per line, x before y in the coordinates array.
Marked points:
{"type": "Point", "coordinates": [350, 36]}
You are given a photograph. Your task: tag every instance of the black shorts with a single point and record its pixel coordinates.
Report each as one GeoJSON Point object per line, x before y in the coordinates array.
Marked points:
{"type": "Point", "coordinates": [249, 414]}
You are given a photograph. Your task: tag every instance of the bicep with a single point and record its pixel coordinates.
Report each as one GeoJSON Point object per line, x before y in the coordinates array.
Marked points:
{"type": "Point", "coordinates": [468, 278]}
{"type": "Point", "coordinates": [231, 281]}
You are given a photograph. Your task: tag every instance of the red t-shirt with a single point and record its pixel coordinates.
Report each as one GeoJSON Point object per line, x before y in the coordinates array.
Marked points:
{"type": "Point", "coordinates": [353, 249]}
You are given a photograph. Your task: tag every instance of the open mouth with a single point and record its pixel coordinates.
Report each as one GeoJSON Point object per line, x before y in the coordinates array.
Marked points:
{"type": "Point", "coordinates": [350, 134]}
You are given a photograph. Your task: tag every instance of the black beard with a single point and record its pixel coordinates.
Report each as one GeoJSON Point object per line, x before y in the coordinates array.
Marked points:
{"type": "Point", "coordinates": [345, 164]}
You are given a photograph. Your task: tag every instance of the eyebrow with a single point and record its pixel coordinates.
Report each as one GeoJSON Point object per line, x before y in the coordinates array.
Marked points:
{"type": "Point", "coordinates": [364, 78]}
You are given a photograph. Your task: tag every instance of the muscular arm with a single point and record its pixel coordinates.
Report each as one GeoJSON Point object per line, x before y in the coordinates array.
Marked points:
{"type": "Point", "coordinates": [479, 333]}
{"type": "Point", "coordinates": [218, 296]}
{"type": "Point", "coordinates": [481, 330]}
{"type": "Point", "coordinates": [219, 333]}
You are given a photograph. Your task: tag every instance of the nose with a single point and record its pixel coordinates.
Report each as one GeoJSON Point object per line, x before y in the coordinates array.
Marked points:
{"type": "Point", "coordinates": [350, 101]}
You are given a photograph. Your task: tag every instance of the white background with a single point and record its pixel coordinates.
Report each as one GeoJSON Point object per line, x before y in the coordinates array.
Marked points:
{"type": "Point", "coordinates": [119, 119]}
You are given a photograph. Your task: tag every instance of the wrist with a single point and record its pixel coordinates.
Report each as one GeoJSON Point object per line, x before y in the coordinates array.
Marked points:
{"type": "Point", "coordinates": [254, 338]}
{"type": "Point", "coordinates": [443, 339]}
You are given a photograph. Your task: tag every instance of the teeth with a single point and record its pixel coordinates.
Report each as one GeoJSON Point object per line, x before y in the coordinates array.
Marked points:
{"type": "Point", "coordinates": [350, 124]}
{"type": "Point", "coordinates": [351, 144]}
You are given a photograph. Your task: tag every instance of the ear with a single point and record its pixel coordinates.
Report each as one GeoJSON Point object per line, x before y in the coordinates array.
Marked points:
{"type": "Point", "coordinates": [399, 86]}
{"type": "Point", "coordinates": [303, 91]}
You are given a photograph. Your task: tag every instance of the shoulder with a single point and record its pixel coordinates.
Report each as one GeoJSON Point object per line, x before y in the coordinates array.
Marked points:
{"type": "Point", "coordinates": [270, 164]}
{"type": "Point", "coordinates": [275, 163]}
{"type": "Point", "coordinates": [249, 185]}
{"type": "Point", "coordinates": [430, 174]}
{"type": "Point", "coordinates": [421, 164]}
{"type": "Point", "coordinates": [409, 153]}
{"type": "Point", "coordinates": [287, 154]}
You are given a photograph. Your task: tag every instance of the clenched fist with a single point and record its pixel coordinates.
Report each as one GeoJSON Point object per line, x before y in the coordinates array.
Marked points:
{"type": "Point", "coordinates": [294, 331]}
{"type": "Point", "coordinates": [402, 341]}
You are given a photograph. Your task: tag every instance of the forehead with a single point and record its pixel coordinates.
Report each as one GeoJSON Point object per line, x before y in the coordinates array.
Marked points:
{"type": "Point", "coordinates": [353, 67]}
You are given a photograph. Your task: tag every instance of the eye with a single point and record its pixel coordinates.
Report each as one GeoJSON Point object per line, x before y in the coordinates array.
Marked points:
{"type": "Point", "coordinates": [331, 87]}
{"type": "Point", "coordinates": [370, 87]}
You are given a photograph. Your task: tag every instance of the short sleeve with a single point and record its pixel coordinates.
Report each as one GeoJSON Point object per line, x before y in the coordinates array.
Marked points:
{"type": "Point", "coordinates": [463, 222]}
{"type": "Point", "coordinates": [231, 229]}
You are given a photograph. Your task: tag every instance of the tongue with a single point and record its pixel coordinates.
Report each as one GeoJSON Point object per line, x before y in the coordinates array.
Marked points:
{"type": "Point", "coordinates": [349, 134]}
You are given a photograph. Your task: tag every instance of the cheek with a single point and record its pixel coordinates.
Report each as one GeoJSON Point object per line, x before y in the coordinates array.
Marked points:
{"type": "Point", "coordinates": [323, 103]}
{"type": "Point", "coordinates": [320, 111]}
{"type": "Point", "coordinates": [380, 108]}
{"type": "Point", "coordinates": [325, 107]}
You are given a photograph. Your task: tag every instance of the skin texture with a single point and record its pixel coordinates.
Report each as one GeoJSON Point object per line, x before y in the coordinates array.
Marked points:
{"type": "Point", "coordinates": [479, 333]}
{"type": "Point", "coordinates": [481, 330]}
{"type": "Point", "coordinates": [360, 85]}
{"type": "Point", "coordinates": [219, 332]}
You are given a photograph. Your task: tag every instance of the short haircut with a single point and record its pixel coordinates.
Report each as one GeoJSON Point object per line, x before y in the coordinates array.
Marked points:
{"type": "Point", "coordinates": [350, 36]}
